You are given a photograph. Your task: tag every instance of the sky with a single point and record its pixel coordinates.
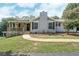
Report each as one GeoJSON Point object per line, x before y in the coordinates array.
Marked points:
{"type": "Point", "coordinates": [26, 9]}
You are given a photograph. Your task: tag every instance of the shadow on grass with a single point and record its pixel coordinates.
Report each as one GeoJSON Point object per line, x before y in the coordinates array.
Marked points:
{"type": "Point", "coordinates": [10, 53]}
{"type": "Point", "coordinates": [7, 53]}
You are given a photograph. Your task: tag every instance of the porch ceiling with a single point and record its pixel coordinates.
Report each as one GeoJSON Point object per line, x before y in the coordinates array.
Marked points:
{"type": "Point", "coordinates": [19, 21]}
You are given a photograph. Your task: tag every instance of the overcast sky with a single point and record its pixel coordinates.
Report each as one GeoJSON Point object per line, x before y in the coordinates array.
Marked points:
{"type": "Point", "coordinates": [26, 9]}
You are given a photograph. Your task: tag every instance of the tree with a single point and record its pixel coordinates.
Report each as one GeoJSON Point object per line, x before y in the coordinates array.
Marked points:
{"type": "Point", "coordinates": [71, 16]}
{"type": "Point", "coordinates": [69, 24]}
{"type": "Point", "coordinates": [0, 28]}
{"type": "Point", "coordinates": [4, 22]}
{"type": "Point", "coordinates": [25, 18]}
{"type": "Point", "coordinates": [28, 17]}
{"type": "Point", "coordinates": [55, 17]}
{"type": "Point", "coordinates": [32, 17]}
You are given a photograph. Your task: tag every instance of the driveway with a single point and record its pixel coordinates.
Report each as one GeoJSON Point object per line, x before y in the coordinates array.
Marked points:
{"type": "Point", "coordinates": [28, 37]}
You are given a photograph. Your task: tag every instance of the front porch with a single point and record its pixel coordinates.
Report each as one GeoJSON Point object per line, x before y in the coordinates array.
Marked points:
{"type": "Point", "coordinates": [17, 27]}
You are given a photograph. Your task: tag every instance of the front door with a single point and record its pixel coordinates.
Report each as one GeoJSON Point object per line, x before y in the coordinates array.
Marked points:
{"type": "Point", "coordinates": [28, 27]}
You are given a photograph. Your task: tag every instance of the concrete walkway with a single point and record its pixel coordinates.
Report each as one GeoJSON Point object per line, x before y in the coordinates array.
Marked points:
{"type": "Point", "coordinates": [28, 37]}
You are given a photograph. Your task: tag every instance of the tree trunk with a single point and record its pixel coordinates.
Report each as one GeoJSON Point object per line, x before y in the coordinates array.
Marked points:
{"type": "Point", "coordinates": [68, 31]}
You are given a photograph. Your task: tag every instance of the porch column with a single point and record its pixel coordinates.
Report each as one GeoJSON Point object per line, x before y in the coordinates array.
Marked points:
{"type": "Point", "coordinates": [23, 24]}
{"type": "Point", "coordinates": [55, 26]}
{"type": "Point", "coordinates": [16, 26]}
{"type": "Point", "coordinates": [8, 29]}
{"type": "Point", "coordinates": [12, 26]}
{"type": "Point", "coordinates": [9, 26]}
{"type": "Point", "coordinates": [31, 27]}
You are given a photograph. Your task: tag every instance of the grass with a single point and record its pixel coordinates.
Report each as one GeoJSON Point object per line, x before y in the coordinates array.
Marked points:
{"type": "Point", "coordinates": [55, 36]}
{"type": "Point", "coordinates": [18, 44]}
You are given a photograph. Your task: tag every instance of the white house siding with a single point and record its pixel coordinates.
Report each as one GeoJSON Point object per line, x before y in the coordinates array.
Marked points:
{"type": "Point", "coordinates": [51, 30]}
{"type": "Point", "coordinates": [73, 30]}
{"type": "Point", "coordinates": [60, 28]}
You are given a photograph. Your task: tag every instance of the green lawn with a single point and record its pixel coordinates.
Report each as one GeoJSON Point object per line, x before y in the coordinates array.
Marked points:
{"type": "Point", "coordinates": [18, 44]}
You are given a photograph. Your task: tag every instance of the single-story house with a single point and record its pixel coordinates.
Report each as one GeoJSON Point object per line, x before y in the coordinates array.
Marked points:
{"type": "Point", "coordinates": [42, 24]}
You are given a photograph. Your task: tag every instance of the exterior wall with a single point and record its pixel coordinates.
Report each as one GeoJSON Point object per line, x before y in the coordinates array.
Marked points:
{"type": "Point", "coordinates": [51, 30]}
{"type": "Point", "coordinates": [60, 28]}
{"type": "Point", "coordinates": [73, 30]}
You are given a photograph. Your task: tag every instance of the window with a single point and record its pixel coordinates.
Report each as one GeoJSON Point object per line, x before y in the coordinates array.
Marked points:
{"type": "Point", "coordinates": [34, 25]}
{"type": "Point", "coordinates": [51, 25]}
{"type": "Point", "coordinates": [58, 24]}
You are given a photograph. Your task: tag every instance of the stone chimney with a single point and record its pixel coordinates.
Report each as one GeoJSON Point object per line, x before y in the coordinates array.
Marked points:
{"type": "Point", "coordinates": [43, 14]}
{"type": "Point", "coordinates": [43, 22]}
